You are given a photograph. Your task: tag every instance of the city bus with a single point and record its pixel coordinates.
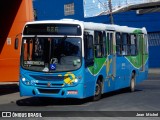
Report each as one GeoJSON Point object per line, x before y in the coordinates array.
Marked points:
{"type": "Point", "coordinates": [75, 59]}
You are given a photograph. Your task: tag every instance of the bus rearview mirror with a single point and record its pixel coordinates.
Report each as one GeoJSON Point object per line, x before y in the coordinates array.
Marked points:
{"type": "Point", "coordinates": [16, 43]}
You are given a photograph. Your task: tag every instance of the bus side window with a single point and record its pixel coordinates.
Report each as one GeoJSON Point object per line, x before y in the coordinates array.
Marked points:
{"type": "Point", "coordinates": [99, 50]}
{"type": "Point", "coordinates": [108, 37]}
{"type": "Point", "coordinates": [110, 43]}
{"type": "Point", "coordinates": [125, 44]}
{"type": "Point", "coordinates": [133, 40]}
{"type": "Point", "coordinates": [104, 45]}
{"type": "Point", "coordinates": [118, 44]}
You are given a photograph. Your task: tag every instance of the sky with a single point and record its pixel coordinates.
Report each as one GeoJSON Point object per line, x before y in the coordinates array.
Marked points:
{"type": "Point", "coordinates": [94, 7]}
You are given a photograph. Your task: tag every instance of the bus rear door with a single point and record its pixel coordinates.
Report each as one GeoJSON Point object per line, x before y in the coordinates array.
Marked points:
{"type": "Point", "coordinates": [141, 46]}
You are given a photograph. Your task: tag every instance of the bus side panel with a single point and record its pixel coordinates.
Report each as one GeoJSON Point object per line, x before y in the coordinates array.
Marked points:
{"type": "Point", "coordinates": [142, 75]}
{"type": "Point", "coordinates": [122, 76]}
{"type": "Point", "coordinates": [124, 69]}
{"type": "Point", "coordinates": [108, 79]}
{"type": "Point", "coordinates": [124, 72]}
{"type": "Point", "coordinates": [89, 83]}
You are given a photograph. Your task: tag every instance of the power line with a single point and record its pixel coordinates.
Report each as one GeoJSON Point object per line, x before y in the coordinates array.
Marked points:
{"type": "Point", "coordinates": [102, 4]}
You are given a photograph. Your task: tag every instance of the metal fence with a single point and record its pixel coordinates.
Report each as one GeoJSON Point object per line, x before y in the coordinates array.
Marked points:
{"type": "Point", "coordinates": [96, 7]}
{"type": "Point", "coordinates": [120, 3]}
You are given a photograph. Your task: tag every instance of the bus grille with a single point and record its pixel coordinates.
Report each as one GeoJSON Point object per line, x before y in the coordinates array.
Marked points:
{"type": "Point", "coordinates": [52, 84]}
{"type": "Point", "coordinates": [49, 91]}
{"type": "Point", "coordinates": [48, 78]}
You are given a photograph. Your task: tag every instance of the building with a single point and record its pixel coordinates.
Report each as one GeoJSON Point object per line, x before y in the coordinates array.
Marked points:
{"type": "Point", "coordinates": [142, 15]}
{"type": "Point", "coordinates": [58, 9]}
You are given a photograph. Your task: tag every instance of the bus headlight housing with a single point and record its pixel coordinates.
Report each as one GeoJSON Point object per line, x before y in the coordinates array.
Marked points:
{"type": "Point", "coordinates": [73, 82]}
{"type": "Point", "coordinates": [25, 80]}
{"type": "Point", "coordinates": [77, 80]}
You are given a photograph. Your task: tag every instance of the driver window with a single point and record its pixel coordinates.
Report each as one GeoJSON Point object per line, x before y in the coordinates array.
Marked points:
{"type": "Point", "coordinates": [89, 53]}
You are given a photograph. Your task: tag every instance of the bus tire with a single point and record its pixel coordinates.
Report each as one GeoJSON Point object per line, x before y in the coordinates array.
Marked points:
{"type": "Point", "coordinates": [132, 82]}
{"type": "Point", "coordinates": [98, 91]}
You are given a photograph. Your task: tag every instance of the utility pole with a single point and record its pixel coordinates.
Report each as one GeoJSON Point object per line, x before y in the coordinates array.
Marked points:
{"type": "Point", "coordinates": [110, 11]}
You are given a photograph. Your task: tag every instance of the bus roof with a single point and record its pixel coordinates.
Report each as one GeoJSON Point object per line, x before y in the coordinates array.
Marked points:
{"type": "Point", "coordinates": [93, 26]}
{"type": "Point", "coordinates": [110, 27]}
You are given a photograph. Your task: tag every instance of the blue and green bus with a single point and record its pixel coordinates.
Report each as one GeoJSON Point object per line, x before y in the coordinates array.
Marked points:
{"type": "Point", "coordinates": [76, 59]}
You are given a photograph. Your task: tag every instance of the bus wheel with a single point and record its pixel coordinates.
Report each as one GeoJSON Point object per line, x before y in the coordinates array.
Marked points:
{"type": "Point", "coordinates": [132, 83]}
{"type": "Point", "coordinates": [98, 91]}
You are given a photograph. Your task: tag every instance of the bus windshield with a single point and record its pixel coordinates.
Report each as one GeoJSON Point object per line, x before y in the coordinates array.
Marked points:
{"type": "Point", "coordinates": [51, 54]}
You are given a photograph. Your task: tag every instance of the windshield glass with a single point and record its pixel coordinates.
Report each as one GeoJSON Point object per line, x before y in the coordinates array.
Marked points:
{"type": "Point", "coordinates": [51, 54]}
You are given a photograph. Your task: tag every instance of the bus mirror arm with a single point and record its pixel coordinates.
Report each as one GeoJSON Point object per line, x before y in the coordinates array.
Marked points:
{"type": "Point", "coordinates": [16, 43]}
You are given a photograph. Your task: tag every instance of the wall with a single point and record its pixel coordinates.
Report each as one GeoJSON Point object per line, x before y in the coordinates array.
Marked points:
{"type": "Point", "coordinates": [54, 9]}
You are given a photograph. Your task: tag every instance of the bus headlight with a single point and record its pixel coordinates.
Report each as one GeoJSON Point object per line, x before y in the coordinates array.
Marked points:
{"type": "Point", "coordinates": [76, 80]}
{"type": "Point", "coordinates": [25, 81]}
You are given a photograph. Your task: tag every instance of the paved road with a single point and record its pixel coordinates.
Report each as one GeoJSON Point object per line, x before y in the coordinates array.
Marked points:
{"type": "Point", "coordinates": [145, 98]}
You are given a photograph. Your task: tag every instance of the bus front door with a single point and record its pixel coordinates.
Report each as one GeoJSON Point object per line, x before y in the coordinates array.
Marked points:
{"type": "Point", "coordinates": [111, 60]}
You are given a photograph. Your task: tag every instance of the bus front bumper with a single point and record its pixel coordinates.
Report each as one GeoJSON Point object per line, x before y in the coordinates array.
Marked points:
{"type": "Point", "coordinates": [63, 92]}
